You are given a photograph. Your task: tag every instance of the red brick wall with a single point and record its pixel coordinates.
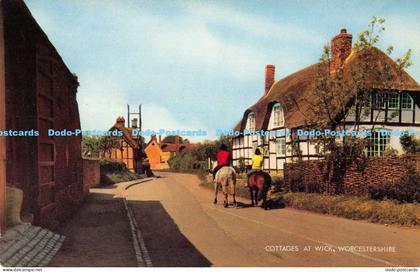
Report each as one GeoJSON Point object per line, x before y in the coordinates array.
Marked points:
{"type": "Point", "coordinates": [91, 174]}
{"type": "Point", "coordinates": [356, 180]}
{"type": "Point", "coordinates": [40, 94]}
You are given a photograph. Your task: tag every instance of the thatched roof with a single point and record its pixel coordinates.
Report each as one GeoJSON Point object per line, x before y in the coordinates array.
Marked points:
{"type": "Point", "coordinates": [295, 90]}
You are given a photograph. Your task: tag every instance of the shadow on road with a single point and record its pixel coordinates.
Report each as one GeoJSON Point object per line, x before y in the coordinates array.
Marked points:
{"type": "Point", "coordinates": [271, 205]}
{"type": "Point", "coordinates": [167, 246]}
{"type": "Point", "coordinates": [98, 235]}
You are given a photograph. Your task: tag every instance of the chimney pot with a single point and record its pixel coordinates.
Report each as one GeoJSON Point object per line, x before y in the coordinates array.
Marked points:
{"type": "Point", "coordinates": [269, 77]}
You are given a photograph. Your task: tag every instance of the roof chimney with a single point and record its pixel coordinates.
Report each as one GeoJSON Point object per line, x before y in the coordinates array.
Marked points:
{"type": "Point", "coordinates": [121, 121]}
{"type": "Point", "coordinates": [134, 123]}
{"type": "Point", "coordinates": [269, 77]}
{"type": "Point", "coordinates": [340, 49]}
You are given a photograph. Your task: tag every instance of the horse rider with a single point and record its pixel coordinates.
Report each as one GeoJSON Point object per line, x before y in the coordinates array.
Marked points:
{"type": "Point", "coordinates": [257, 163]}
{"type": "Point", "coordinates": [223, 159]}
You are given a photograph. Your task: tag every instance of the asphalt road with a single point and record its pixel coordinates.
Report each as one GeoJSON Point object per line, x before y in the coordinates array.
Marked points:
{"type": "Point", "coordinates": [182, 227]}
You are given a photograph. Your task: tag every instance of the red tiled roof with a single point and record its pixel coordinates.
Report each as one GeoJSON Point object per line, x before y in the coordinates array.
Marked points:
{"type": "Point", "coordinates": [169, 147]}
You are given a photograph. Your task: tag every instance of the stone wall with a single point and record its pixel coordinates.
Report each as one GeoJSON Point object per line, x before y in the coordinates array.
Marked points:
{"type": "Point", "coordinates": [91, 174]}
{"type": "Point", "coordinates": [314, 175]}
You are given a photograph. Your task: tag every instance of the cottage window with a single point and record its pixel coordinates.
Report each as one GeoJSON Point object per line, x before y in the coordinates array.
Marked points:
{"type": "Point", "coordinates": [281, 147]}
{"type": "Point", "coordinates": [254, 146]}
{"type": "Point", "coordinates": [278, 115]}
{"type": "Point", "coordinates": [379, 101]}
{"type": "Point", "coordinates": [378, 143]}
{"type": "Point", "coordinates": [393, 101]}
{"type": "Point", "coordinates": [407, 102]}
{"type": "Point", "coordinates": [250, 124]}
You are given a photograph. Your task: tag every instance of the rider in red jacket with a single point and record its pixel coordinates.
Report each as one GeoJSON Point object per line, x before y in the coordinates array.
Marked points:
{"type": "Point", "coordinates": [223, 159]}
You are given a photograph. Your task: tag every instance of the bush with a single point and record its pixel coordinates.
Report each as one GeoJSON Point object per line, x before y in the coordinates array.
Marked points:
{"type": "Point", "coordinates": [115, 171]}
{"type": "Point", "coordinates": [109, 165]}
{"type": "Point", "coordinates": [296, 182]}
{"type": "Point", "coordinates": [410, 144]}
{"type": "Point", "coordinates": [277, 185]}
{"type": "Point", "coordinates": [196, 157]}
{"type": "Point", "coordinates": [386, 212]}
{"type": "Point", "coordinates": [313, 187]}
{"type": "Point", "coordinates": [407, 189]}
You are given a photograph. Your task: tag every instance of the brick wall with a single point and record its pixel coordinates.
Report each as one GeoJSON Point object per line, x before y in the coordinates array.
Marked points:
{"type": "Point", "coordinates": [314, 175]}
{"type": "Point", "coordinates": [91, 174]}
{"type": "Point", "coordinates": [40, 94]}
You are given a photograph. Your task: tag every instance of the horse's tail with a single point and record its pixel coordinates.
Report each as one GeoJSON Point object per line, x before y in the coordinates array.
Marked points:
{"type": "Point", "coordinates": [234, 175]}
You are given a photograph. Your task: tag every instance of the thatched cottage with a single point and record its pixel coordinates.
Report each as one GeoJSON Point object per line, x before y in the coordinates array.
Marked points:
{"type": "Point", "coordinates": [285, 107]}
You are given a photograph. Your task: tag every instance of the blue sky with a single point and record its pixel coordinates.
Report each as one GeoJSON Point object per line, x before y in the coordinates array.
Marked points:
{"type": "Point", "coordinates": [200, 64]}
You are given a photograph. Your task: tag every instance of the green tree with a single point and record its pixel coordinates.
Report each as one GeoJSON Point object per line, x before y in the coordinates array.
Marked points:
{"type": "Point", "coordinates": [107, 143]}
{"type": "Point", "coordinates": [90, 146]}
{"type": "Point", "coordinates": [410, 144]}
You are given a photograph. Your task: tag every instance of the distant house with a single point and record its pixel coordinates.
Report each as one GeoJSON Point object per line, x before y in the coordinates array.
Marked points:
{"type": "Point", "coordinates": [129, 150]}
{"type": "Point", "coordinates": [275, 112]}
{"type": "Point", "coordinates": [37, 92]}
{"type": "Point", "coordinates": [158, 153]}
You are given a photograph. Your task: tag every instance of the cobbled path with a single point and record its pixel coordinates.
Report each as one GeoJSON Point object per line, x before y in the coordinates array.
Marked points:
{"type": "Point", "coordinates": [29, 246]}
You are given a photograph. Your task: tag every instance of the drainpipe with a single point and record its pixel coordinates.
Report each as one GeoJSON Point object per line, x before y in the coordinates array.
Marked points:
{"type": "Point", "coordinates": [2, 127]}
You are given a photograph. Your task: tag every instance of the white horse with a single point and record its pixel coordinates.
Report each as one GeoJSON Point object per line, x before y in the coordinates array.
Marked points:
{"type": "Point", "coordinates": [224, 177]}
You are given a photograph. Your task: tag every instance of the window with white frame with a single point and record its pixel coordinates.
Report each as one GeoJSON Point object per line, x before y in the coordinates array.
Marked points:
{"type": "Point", "coordinates": [254, 146]}
{"type": "Point", "coordinates": [407, 102]}
{"type": "Point", "coordinates": [379, 101]}
{"type": "Point", "coordinates": [280, 146]}
{"type": "Point", "coordinates": [393, 101]}
{"type": "Point", "coordinates": [250, 123]}
{"type": "Point", "coordinates": [378, 143]}
{"type": "Point", "coordinates": [278, 115]}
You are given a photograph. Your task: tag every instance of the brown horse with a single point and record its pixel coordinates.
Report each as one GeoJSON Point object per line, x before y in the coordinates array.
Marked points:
{"type": "Point", "coordinates": [259, 183]}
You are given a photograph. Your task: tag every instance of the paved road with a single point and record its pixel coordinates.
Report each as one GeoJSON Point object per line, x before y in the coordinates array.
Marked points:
{"type": "Point", "coordinates": [181, 227]}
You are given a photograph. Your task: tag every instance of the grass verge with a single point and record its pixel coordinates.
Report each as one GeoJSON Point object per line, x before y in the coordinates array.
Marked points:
{"type": "Point", "coordinates": [384, 212]}
{"type": "Point", "coordinates": [351, 207]}
{"type": "Point", "coordinates": [116, 177]}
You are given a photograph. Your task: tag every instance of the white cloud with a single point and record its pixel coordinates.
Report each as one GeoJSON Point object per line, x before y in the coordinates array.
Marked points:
{"type": "Point", "coordinates": [100, 101]}
{"type": "Point", "coordinates": [252, 23]}
{"type": "Point", "coordinates": [156, 118]}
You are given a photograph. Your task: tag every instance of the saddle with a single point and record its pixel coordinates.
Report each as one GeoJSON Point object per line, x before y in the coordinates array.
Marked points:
{"type": "Point", "coordinates": [257, 179]}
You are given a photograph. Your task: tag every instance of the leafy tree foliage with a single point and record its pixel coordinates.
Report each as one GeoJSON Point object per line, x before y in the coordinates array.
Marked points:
{"type": "Point", "coordinates": [337, 96]}
{"type": "Point", "coordinates": [410, 144]}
